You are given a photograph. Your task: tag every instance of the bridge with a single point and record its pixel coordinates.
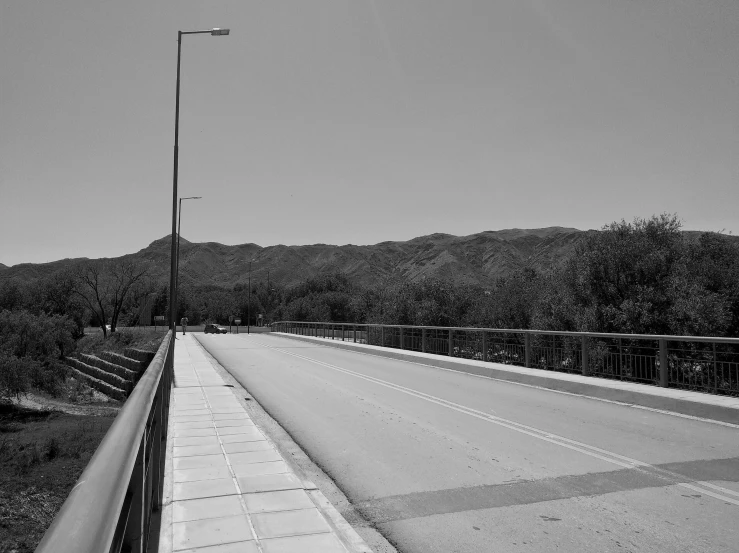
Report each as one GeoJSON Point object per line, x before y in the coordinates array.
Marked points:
{"type": "Point", "coordinates": [341, 437]}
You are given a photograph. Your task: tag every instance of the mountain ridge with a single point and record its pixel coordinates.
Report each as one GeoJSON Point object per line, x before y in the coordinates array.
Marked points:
{"type": "Point", "coordinates": [478, 258]}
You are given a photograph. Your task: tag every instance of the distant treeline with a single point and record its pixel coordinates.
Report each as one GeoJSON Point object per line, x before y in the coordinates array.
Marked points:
{"type": "Point", "coordinates": [645, 276]}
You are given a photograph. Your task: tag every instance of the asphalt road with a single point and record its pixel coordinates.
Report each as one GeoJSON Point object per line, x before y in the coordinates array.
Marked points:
{"type": "Point", "coordinates": [441, 461]}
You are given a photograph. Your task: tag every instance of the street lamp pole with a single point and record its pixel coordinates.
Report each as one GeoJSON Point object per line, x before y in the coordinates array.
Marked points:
{"type": "Point", "coordinates": [248, 303]}
{"type": "Point", "coordinates": [177, 271]}
{"type": "Point", "coordinates": [173, 253]}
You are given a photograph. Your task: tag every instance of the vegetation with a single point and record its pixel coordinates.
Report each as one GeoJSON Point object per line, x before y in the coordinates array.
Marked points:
{"type": "Point", "coordinates": [42, 454]}
{"type": "Point", "coordinates": [641, 277]}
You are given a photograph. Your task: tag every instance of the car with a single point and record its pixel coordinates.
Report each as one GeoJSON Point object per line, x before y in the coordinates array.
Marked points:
{"type": "Point", "coordinates": [215, 329]}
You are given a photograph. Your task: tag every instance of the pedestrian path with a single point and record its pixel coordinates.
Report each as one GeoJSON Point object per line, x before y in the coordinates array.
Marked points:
{"type": "Point", "coordinates": [227, 488]}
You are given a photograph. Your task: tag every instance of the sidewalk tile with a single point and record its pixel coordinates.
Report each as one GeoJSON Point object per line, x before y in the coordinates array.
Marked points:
{"type": "Point", "coordinates": [196, 440]}
{"type": "Point", "coordinates": [199, 461]}
{"type": "Point", "coordinates": [289, 523]}
{"type": "Point", "coordinates": [191, 432]}
{"type": "Point", "coordinates": [244, 447]}
{"type": "Point", "coordinates": [203, 488]}
{"type": "Point", "coordinates": [269, 483]}
{"type": "Point", "coordinates": [193, 450]}
{"type": "Point", "coordinates": [191, 418]}
{"type": "Point", "coordinates": [254, 457]}
{"type": "Point", "coordinates": [230, 416]}
{"type": "Point", "coordinates": [241, 430]}
{"type": "Point", "coordinates": [238, 547]}
{"type": "Point", "coordinates": [314, 543]}
{"type": "Point", "coordinates": [258, 469]}
{"type": "Point", "coordinates": [193, 424]}
{"type": "Point", "coordinates": [234, 422]}
{"type": "Point", "coordinates": [243, 436]}
{"type": "Point", "coordinates": [201, 473]}
{"type": "Point", "coordinates": [286, 500]}
{"type": "Point", "coordinates": [212, 531]}
{"type": "Point", "coordinates": [209, 507]}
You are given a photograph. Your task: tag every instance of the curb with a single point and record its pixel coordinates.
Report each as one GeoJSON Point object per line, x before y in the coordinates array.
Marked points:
{"type": "Point", "coordinates": [694, 404]}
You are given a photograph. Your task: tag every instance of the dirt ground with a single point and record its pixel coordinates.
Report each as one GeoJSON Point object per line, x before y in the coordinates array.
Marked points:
{"type": "Point", "coordinates": [45, 444]}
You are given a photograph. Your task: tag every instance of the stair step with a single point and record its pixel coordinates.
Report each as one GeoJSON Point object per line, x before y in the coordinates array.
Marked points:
{"type": "Point", "coordinates": [107, 366]}
{"type": "Point", "coordinates": [117, 359]}
{"type": "Point", "coordinates": [124, 385]}
{"type": "Point", "coordinates": [99, 385]}
{"type": "Point", "coordinates": [139, 355]}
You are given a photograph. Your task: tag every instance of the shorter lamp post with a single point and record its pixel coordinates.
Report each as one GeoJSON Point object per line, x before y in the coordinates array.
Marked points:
{"type": "Point", "coordinates": [177, 268]}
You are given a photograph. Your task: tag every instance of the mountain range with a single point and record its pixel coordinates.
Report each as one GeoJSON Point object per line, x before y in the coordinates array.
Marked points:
{"type": "Point", "coordinates": [475, 259]}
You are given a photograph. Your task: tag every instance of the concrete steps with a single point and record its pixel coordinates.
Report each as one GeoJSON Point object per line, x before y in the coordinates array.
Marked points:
{"type": "Point", "coordinates": [80, 373]}
{"type": "Point", "coordinates": [111, 373]}
{"type": "Point", "coordinates": [107, 366]}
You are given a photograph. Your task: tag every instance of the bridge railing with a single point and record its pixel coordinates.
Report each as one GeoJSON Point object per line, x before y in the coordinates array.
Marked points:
{"type": "Point", "coordinates": [700, 363]}
{"type": "Point", "coordinates": [113, 504]}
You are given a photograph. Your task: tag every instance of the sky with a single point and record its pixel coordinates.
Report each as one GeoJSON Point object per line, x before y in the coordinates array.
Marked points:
{"type": "Point", "coordinates": [336, 122]}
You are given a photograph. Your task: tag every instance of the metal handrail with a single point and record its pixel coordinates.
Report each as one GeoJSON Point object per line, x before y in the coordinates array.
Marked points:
{"type": "Point", "coordinates": [657, 359]}
{"type": "Point", "coordinates": [668, 337]}
{"type": "Point", "coordinates": [109, 509]}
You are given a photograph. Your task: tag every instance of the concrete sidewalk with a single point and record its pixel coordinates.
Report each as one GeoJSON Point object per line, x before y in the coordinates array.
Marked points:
{"type": "Point", "coordinates": [696, 404]}
{"type": "Point", "coordinates": [227, 488]}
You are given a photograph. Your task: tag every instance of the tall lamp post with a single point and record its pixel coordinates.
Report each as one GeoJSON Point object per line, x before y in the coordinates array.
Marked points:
{"type": "Point", "coordinates": [173, 254]}
{"type": "Point", "coordinates": [177, 269]}
{"type": "Point", "coordinates": [248, 302]}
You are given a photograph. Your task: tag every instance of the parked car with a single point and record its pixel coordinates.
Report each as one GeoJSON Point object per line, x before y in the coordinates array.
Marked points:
{"type": "Point", "coordinates": [215, 329]}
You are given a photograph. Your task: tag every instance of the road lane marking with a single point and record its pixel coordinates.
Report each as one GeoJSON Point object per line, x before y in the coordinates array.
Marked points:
{"type": "Point", "coordinates": [622, 403]}
{"type": "Point", "coordinates": [592, 451]}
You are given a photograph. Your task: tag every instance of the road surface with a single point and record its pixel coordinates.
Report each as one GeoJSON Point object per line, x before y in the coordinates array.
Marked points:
{"type": "Point", "coordinates": [440, 461]}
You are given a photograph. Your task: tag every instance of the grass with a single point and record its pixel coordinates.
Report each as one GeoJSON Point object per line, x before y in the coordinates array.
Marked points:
{"type": "Point", "coordinates": [146, 338]}
{"type": "Point", "coordinates": [42, 454]}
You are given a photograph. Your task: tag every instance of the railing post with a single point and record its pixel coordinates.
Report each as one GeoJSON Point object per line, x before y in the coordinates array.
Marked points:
{"type": "Point", "coordinates": [401, 337]}
{"type": "Point", "coordinates": [355, 334]}
{"type": "Point", "coordinates": [484, 346]}
{"type": "Point", "coordinates": [585, 357]}
{"type": "Point", "coordinates": [663, 368]}
{"type": "Point", "coordinates": [382, 336]}
{"type": "Point", "coordinates": [715, 370]}
{"type": "Point", "coordinates": [527, 348]}
{"type": "Point", "coordinates": [451, 343]}
{"type": "Point", "coordinates": [134, 534]}
{"type": "Point", "coordinates": [423, 340]}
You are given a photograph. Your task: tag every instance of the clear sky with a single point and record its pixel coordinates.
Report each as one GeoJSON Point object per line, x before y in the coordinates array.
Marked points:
{"type": "Point", "coordinates": [335, 121]}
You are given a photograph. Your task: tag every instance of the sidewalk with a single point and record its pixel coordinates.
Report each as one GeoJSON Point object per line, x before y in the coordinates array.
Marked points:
{"type": "Point", "coordinates": [227, 489]}
{"type": "Point", "coordinates": [686, 402]}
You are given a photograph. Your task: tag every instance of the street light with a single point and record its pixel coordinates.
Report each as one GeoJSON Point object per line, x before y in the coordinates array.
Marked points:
{"type": "Point", "coordinates": [173, 255]}
{"type": "Point", "coordinates": [177, 279]}
{"type": "Point", "coordinates": [248, 301]}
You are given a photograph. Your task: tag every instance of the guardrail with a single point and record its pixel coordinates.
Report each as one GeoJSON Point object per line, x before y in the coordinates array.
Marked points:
{"type": "Point", "coordinates": [110, 508]}
{"type": "Point", "coordinates": [698, 363]}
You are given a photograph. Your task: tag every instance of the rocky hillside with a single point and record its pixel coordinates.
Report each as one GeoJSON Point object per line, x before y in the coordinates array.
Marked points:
{"type": "Point", "coordinates": [477, 258]}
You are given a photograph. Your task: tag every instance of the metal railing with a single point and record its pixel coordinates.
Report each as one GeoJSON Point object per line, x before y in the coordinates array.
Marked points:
{"type": "Point", "coordinates": [699, 363]}
{"type": "Point", "coordinates": [110, 507]}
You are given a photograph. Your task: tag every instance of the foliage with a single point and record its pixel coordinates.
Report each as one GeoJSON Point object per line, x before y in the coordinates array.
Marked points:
{"type": "Point", "coordinates": [105, 286]}
{"type": "Point", "coordinates": [30, 349]}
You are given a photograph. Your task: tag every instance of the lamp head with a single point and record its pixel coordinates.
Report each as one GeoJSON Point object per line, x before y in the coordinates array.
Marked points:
{"type": "Point", "coordinates": [219, 32]}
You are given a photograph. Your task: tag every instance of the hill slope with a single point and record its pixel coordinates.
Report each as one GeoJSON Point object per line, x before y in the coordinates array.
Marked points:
{"type": "Point", "coordinates": [478, 258]}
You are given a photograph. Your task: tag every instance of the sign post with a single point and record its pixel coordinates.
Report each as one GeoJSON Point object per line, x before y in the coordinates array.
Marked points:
{"type": "Point", "coordinates": [230, 320]}
{"type": "Point", "coordinates": [237, 322]}
{"type": "Point", "coordinates": [158, 319]}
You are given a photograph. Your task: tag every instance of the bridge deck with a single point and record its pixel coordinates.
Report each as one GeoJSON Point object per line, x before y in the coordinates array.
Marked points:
{"type": "Point", "coordinates": [227, 488]}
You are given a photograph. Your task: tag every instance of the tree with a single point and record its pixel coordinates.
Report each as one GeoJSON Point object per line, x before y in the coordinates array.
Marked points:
{"type": "Point", "coordinates": [104, 287]}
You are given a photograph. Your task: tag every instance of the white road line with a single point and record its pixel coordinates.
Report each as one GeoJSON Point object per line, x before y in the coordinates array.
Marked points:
{"type": "Point", "coordinates": [622, 403]}
{"type": "Point", "coordinates": [592, 451]}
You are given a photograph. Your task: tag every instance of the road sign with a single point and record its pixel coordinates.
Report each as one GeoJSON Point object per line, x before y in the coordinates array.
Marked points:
{"type": "Point", "coordinates": [237, 321]}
